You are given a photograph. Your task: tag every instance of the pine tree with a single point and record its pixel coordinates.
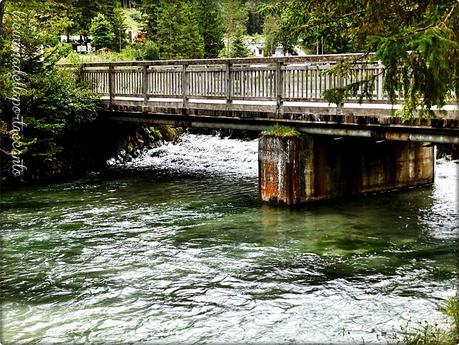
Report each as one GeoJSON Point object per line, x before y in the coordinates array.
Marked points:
{"type": "Point", "coordinates": [255, 18]}
{"type": "Point", "coordinates": [165, 33]}
{"type": "Point", "coordinates": [238, 47]}
{"type": "Point", "coordinates": [53, 104]}
{"type": "Point", "coordinates": [190, 43]}
{"type": "Point", "coordinates": [209, 17]}
{"type": "Point", "coordinates": [101, 32]}
{"type": "Point", "coordinates": [88, 9]}
{"type": "Point", "coordinates": [150, 13]}
{"type": "Point", "coordinates": [118, 28]}
{"type": "Point", "coordinates": [235, 18]}
{"type": "Point", "coordinates": [177, 33]}
{"type": "Point", "coordinates": [270, 28]}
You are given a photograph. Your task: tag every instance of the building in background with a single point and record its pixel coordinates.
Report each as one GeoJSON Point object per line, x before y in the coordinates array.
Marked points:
{"type": "Point", "coordinates": [80, 43]}
{"type": "Point", "coordinates": [256, 47]}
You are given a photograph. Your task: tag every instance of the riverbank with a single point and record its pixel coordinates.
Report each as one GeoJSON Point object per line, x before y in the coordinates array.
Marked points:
{"type": "Point", "coordinates": [88, 150]}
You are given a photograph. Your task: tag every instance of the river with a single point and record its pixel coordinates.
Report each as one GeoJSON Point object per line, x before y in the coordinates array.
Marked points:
{"type": "Point", "coordinates": [174, 247]}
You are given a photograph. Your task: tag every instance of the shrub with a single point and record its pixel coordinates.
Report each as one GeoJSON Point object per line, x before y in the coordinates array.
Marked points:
{"type": "Point", "coordinates": [150, 51]}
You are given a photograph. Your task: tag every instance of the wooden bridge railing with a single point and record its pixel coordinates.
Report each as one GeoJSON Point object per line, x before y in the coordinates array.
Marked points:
{"type": "Point", "coordinates": [254, 79]}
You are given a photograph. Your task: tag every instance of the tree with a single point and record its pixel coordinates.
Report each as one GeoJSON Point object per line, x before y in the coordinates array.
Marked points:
{"type": "Point", "coordinates": [2, 12]}
{"type": "Point", "coordinates": [255, 18]}
{"type": "Point", "coordinates": [238, 46]}
{"type": "Point", "coordinates": [417, 41]}
{"type": "Point", "coordinates": [177, 33]}
{"type": "Point", "coordinates": [235, 17]}
{"type": "Point", "coordinates": [270, 29]}
{"type": "Point", "coordinates": [191, 43]}
{"type": "Point", "coordinates": [312, 21]}
{"type": "Point", "coordinates": [119, 28]}
{"type": "Point", "coordinates": [53, 104]}
{"type": "Point", "coordinates": [87, 10]}
{"type": "Point", "coordinates": [150, 14]}
{"type": "Point", "coordinates": [209, 17]}
{"type": "Point", "coordinates": [101, 32]}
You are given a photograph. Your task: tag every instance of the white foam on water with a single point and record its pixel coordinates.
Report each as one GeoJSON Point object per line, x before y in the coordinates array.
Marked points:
{"type": "Point", "coordinates": [196, 154]}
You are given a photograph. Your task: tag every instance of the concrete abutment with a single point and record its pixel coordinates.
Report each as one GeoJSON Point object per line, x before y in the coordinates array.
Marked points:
{"type": "Point", "coordinates": [307, 168]}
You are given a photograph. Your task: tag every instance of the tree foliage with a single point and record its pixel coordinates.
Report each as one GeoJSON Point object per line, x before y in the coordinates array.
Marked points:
{"type": "Point", "coordinates": [119, 28]}
{"type": "Point", "coordinates": [150, 14]}
{"type": "Point", "coordinates": [270, 30]}
{"type": "Point", "coordinates": [209, 17]}
{"type": "Point", "coordinates": [101, 32]}
{"type": "Point", "coordinates": [417, 41]}
{"type": "Point", "coordinates": [255, 18]}
{"type": "Point", "coordinates": [235, 18]}
{"type": "Point", "coordinates": [53, 104]}
{"type": "Point", "coordinates": [149, 51]}
{"type": "Point", "coordinates": [238, 47]}
{"type": "Point", "coordinates": [176, 30]}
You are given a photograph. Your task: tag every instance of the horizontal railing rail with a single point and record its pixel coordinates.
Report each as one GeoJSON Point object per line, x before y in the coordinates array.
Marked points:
{"type": "Point", "coordinates": [251, 60]}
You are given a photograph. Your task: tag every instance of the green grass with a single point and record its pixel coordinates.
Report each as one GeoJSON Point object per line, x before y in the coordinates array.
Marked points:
{"type": "Point", "coordinates": [127, 54]}
{"type": "Point", "coordinates": [132, 52]}
{"type": "Point", "coordinates": [281, 131]}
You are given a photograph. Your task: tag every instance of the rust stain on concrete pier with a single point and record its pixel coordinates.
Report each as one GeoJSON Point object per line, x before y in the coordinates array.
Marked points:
{"type": "Point", "coordinates": [310, 168]}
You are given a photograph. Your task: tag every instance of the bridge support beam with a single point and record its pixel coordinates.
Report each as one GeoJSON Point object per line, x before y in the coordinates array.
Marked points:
{"type": "Point", "coordinates": [308, 168]}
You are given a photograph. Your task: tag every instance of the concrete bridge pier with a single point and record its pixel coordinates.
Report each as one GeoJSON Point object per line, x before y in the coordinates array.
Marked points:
{"type": "Point", "coordinates": [307, 168]}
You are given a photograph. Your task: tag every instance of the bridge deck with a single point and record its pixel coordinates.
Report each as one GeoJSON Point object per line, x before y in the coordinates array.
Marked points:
{"type": "Point", "coordinates": [255, 93]}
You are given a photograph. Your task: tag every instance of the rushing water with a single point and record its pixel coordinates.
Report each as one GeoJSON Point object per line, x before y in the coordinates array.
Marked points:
{"type": "Point", "coordinates": [175, 248]}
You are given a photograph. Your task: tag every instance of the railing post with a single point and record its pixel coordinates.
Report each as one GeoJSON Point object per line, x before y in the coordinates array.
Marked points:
{"type": "Point", "coordinates": [184, 87]}
{"type": "Point", "coordinates": [380, 90]}
{"type": "Point", "coordinates": [145, 87]}
{"type": "Point", "coordinates": [111, 86]}
{"type": "Point", "coordinates": [339, 107]}
{"type": "Point", "coordinates": [228, 83]}
{"type": "Point", "coordinates": [79, 75]}
{"type": "Point", "coordinates": [280, 86]}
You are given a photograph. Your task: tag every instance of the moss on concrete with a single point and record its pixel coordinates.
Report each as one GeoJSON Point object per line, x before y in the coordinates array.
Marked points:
{"type": "Point", "coordinates": [281, 132]}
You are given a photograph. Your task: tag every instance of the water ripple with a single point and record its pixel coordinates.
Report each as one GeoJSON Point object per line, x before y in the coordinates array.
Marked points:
{"type": "Point", "coordinates": [181, 252]}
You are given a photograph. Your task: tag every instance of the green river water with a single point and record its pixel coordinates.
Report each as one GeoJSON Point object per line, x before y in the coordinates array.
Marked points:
{"type": "Point", "coordinates": [175, 248]}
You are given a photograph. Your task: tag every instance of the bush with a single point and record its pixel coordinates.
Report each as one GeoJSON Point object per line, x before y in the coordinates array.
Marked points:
{"type": "Point", "coordinates": [150, 51]}
{"type": "Point", "coordinates": [129, 53]}
{"type": "Point", "coordinates": [452, 310]}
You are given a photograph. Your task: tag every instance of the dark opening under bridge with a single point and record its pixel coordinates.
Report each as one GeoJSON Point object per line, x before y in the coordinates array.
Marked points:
{"type": "Point", "coordinates": [355, 147]}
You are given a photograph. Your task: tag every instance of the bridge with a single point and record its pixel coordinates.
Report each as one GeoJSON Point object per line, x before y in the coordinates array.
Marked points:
{"type": "Point", "coordinates": [351, 148]}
